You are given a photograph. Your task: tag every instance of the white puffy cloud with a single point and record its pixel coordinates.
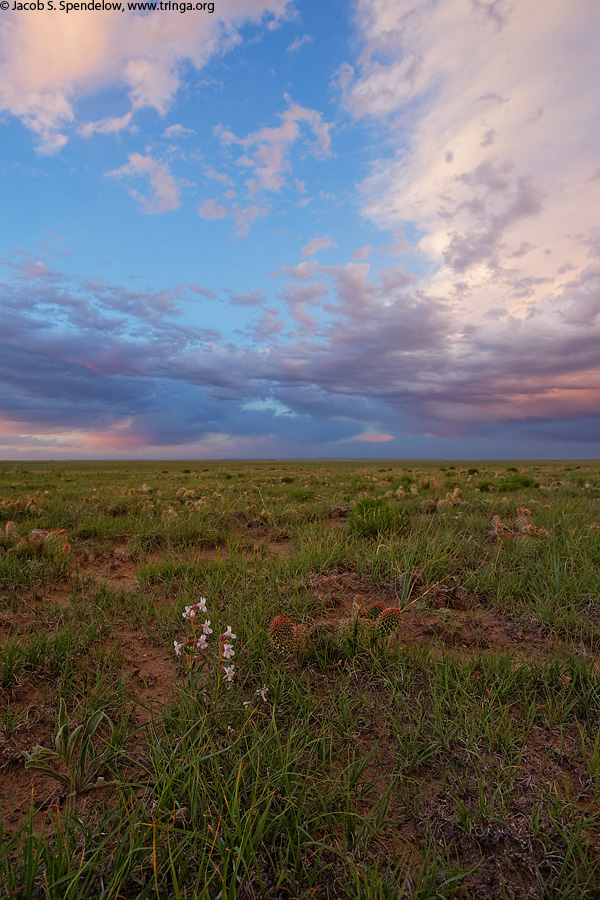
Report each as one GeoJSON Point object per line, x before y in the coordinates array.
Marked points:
{"type": "Point", "coordinates": [51, 59]}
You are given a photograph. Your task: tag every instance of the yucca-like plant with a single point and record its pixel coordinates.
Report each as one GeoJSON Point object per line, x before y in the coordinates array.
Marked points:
{"type": "Point", "coordinates": [388, 622]}
{"type": "Point", "coordinates": [282, 632]}
{"type": "Point", "coordinates": [76, 751]}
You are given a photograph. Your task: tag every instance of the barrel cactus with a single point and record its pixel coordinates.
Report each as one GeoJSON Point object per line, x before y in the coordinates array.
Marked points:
{"type": "Point", "coordinates": [388, 622]}
{"type": "Point", "coordinates": [282, 632]}
{"type": "Point", "coordinates": [373, 610]}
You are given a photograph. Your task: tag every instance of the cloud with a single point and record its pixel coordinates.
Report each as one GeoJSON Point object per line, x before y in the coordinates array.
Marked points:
{"type": "Point", "coordinates": [245, 216]}
{"type": "Point", "coordinates": [110, 125]}
{"type": "Point", "coordinates": [298, 297]}
{"type": "Point", "coordinates": [304, 271]}
{"type": "Point", "coordinates": [53, 59]}
{"type": "Point", "coordinates": [298, 42]}
{"type": "Point", "coordinates": [252, 298]}
{"type": "Point", "coordinates": [210, 172]}
{"type": "Point", "coordinates": [374, 438]}
{"type": "Point", "coordinates": [210, 209]}
{"type": "Point", "coordinates": [267, 150]}
{"type": "Point", "coordinates": [88, 364]}
{"type": "Point", "coordinates": [176, 131]}
{"type": "Point", "coordinates": [317, 244]}
{"type": "Point", "coordinates": [201, 291]}
{"type": "Point", "coordinates": [166, 189]}
{"type": "Point", "coordinates": [488, 122]}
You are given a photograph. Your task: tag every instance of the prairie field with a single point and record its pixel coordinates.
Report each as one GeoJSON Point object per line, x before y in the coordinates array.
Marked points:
{"type": "Point", "coordinates": [357, 679]}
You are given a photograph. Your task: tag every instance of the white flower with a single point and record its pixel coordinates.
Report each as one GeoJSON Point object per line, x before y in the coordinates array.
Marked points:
{"type": "Point", "coordinates": [178, 647]}
{"type": "Point", "coordinates": [229, 671]}
{"type": "Point", "coordinates": [206, 627]}
{"type": "Point", "coordinates": [201, 642]}
{"type": "Point", "coordinates": [228, 651]}
{"type": "Point", "coordinates": [262, 693]}
{"type": "Point", "coordinates": [228, 634]}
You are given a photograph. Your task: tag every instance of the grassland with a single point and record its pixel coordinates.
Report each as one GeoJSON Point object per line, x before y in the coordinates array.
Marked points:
{"type": "Point", "coordinates": [458, 757]}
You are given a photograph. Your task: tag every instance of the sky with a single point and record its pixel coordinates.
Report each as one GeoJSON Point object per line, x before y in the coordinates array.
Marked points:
{"type": "Point", "coordinates": [270, 229]}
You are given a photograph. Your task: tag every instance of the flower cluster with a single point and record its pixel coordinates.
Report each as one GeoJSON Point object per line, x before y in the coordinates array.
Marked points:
{"type": "Point", "coordinates": [197, 643]}
{"type": "Point", "coordinates": [226, 651]}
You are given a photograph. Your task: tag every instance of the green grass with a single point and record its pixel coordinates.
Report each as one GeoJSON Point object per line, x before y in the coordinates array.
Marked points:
{"type": "Point", "coordinates": [460, 758]}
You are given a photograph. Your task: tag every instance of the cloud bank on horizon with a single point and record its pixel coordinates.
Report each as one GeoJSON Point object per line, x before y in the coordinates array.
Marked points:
{"type": "Point", "coordinates": [282, 230]}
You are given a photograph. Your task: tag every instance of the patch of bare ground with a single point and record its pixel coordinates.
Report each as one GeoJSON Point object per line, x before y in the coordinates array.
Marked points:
{"type": "Point", "coordinates": [154, 673]}
{"type": "Point", "coordinates": [114, 567]}
{"type": "Point", "coordinates": [335, 523]}
{"type": "Point", "coordinates": [281, 548]}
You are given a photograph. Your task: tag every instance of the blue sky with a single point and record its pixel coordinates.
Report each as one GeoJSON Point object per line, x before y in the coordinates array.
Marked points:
{"type": "Point", "coordinates": [301, 230]}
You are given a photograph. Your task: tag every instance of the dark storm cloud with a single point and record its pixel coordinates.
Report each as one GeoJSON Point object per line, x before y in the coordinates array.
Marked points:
{"type": "Point", "coordinates": [375, 355]}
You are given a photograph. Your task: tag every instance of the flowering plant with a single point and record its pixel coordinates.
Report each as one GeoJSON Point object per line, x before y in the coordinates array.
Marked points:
{"type": "Point", "coordinates": [197, 646]}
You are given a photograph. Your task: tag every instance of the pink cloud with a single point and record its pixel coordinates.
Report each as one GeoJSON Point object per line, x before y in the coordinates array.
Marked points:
{"type": "Point", "coordinates": [374, 438]}
{"type": "Point", "coordinates": [304, 271]}
{"type": "Point", "coordinates": [317, 244]}
{"type": "Point", "coordinates": [51, 60]}
{"type": "Point", "coordinates": [110, 125]}
{"type": "Point", "coordinates": [469, 163]}
{"type": "Point", "coordinates": [210, 209]}
{"type": "Point", "coordinates": [166, 189]}
{"type": "Point", "coordinates": [267, 150]}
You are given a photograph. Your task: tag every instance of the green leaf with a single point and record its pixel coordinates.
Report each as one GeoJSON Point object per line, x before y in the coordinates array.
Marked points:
{"type": "Point", "coordinates": [70, 749]}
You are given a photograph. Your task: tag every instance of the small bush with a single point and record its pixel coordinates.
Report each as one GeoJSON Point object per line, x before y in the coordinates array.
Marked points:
{"type": "Point", "coordinates": [485, 486]}
{"type": "Point", "coordinates": [516, 483]}
{"type": "Point", "coordinates": [371, 517]}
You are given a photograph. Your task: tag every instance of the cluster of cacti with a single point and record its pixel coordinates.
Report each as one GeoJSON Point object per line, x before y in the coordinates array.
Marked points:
{"type": "Point", "coordinates": [373, 621]}
{"type": "Point", "coordinates": [49, 543]}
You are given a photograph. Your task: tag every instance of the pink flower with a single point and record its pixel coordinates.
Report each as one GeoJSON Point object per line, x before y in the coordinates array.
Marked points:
{"type": "Point", "coordinates": [228, 651]}
{"type": "Point", "coordinates": [178, 647]}
{"type": "Point", "coordinates": [228, 635]}
{"type": "Point", "coordinates": [229, 672]}
{"type": "Point", "coordinates": [192, 611]}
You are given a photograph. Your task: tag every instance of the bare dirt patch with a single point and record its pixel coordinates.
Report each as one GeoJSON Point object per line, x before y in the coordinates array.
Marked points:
{"type": "Point", "coordinates": [153, 671]}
